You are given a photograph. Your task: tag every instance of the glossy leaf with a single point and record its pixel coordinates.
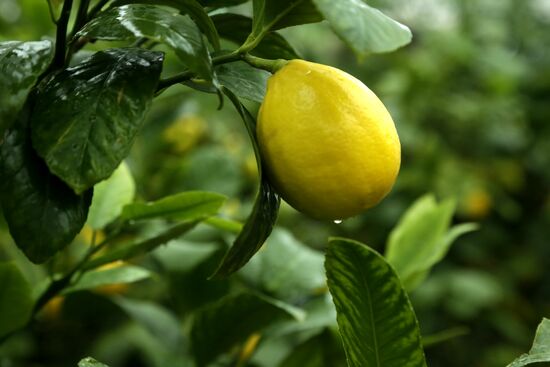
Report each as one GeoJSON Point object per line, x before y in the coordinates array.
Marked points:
{"type": "Point", "coordinates": [16, 301]}
{"type": "Point", "coordinates": [264, 214]}
{"type": "Point", "coordinates": [236, 28]}
{"type": "Point", "coordinates": [363, 28]}
{"type": "Point", "coordinates": [540, 351]}
{"type": "Point", "coordinates": [114, 275]}
{"type": "Point", "coordinates": [244, 80]}
{"type": "Point", "coordinates": [110, 196]}
{"type": "Point", "coordinates": [190, 7]}
{"type": "Point", "coordinates": [90, 362]}
{"type": "Point", "coordinates": [190, 205]}
{"type": "Point", "coordinates": [422, 238]}
{"type": "Point", "coordinates": [88, 116]}
{"type": "Point", "coordinates": [21, 63]}
{"type": "Point", "coordinates": [42, 212]}
{"type": "Point", "coordinates": [130, 22]}
{"type": "Point", "coordinates": [238, 316]}
{"type": "Point", "coordinates": [375, 317]}
{"type": "Point", "coordinates": [277, 14]}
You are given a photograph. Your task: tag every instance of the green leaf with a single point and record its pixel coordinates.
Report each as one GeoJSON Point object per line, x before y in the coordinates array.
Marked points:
{"type": "Point", "coordinates": [86, 117]}
{"type": "Point", "coordinates": [238, 316]}
{"type": "Point", "coordinates": [540, 351]}
{"type": "Point", "coordinates": [115, 275]}
{"type": "Point", "coordinates": [363, 28]}
{"type": "Point", "coordinates": [323, 350]}
{"type": "Point", "coordinates": [110, 196]}
{"type": "Point", "coordinates": [21, 63]}
{"type": "Point", "coordinates": [236, 28]}
{"type": "Point", "coordinates": [191, 7]}
{"type": "Point", "coordinates": [221, 3]}
{"type": "Point", "coordinates": [422, 238]}
{"type": "Point", "coordinates": [264, 214]}
{"type": "Point", "coordinates": [286, 268]}
{"type": "Point", "coordinates": [16, 301]}
{"type": "Point", "coordinates": [128, 251]}
{"type": "Point", "coordinates": [374, 314]}
{"type": "Point", "coordinates": [244, 80]}
{"type": "Point", "coordinates": [189, 205]}
{"type": "Point", "coordinates": [131, 22]}
{"type": "Point", "coordinates": [42, 212]}
{"type": "Point", "coordinates": [90, 362]}
{"type": "Point", "coordinates": [277, 14]}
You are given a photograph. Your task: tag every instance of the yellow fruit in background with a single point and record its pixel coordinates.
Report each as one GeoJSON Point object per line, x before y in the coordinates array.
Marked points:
{"type": "Point", "coordinates": [329, 144]}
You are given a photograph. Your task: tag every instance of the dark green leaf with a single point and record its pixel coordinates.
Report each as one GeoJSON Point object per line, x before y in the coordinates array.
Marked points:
{"type": "Point", "coordinates": [16, 301]}
{"type": "Point", "coordinates": [42, 212]}
{"type": "Point", "coordinates": [422, 238]}
{"type": "Point", "coordinates": [264, 214]}
{"type": "Point", "coordinates": [110, 196]}
{"type": "Point", "coordinates": [540, 351]}
{"type": "Point", "coordinates": [375, 317]}
{"type": "Point", "coordinates": [115, 275]}
{"type": "Point", "coordinates": [221, 3]}
{"type": "Point", "coordinates": [21, 63]}
{"type": "Point", "coordinates": [236, 28]}
{"type": "Point", "coordinates": [363, 28]}
{"type": "Point", "coordinates": [231, 320]}
{"type": "Point", "coordinates": [90, 362]}
{"type": "Point", "coordinates": [178, 31]}
{"type": "Point", "coordinates": [244, 80]}
{"type": "Point", "coordinates": [191, 7]}
{"type": "Point", "coordinates": [277, 14]}
{"type": "Point", "coordinates": [87, 116]}
{"type": "Point", "coordinates": [323, 350]}
{"type": "Point", "coordinates": [189, 205]}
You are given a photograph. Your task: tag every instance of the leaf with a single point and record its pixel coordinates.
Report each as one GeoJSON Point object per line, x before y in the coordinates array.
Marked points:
{"type": "Point", "coordinates": [363, 28]}
{"type": "Point", "coordinates": [244, 80]}
{"type": "Point", "coordinates": [115, 275]}
{"type": "Point", "coordinates": [286, 268]}
{"type": "Point", "coordinates": [374, 314]}
{"type": "Point", "coordinates": [129, 251]}
{"type": "Point", "coordinates": [90, 362]}
{"type": "Point", "coordinates": [422, 238]}
{"type": "Point", "coordinates": [540, 351]}
{"type": "Point", "coordinates": [16, 301]}
{"type": "Point", "coordinates": [264, 214]}
{"type": "Point", "coordinates": [110, 196]}
{"type": "Point", "coordinates": [189, 205]}
{"type": "Point", "coordinates": [323, 350]}
{"type": "Point", "coordinates": [221, 3]}
{"type": "Point", "coordinates": [42, 212]}
{"type": "Point", "coordinates": [277, 14]}
{"type": "Point", "coordinates": [87, 117]}
{"type": "Point", "coordinates": [21, 63]}
{"type": "Point", "coordinates": [191, 7]}
{"type": "Point", "coordinates": [236, 28]}
{"type": "Point", "coordinates": [238, 316]}
{"type": "Point", "coordinates": [130, 22]}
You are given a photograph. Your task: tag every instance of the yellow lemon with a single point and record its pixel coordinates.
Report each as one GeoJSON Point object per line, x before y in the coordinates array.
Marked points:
{"type": "Point", "coordinates": [329, 144]}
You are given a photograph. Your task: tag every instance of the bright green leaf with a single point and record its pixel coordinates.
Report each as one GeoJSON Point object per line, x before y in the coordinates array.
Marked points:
{"type": "Point", "coordinates": [87, 116]}
{"type": "Point", "coordinates": [115, 275]}
{"type": "Point", "coordinates": [21, 63]}
{"type": "Point", "coordinates": [110, 196]}
{"type": "Point", "coordinates": [131, 22]}
{"type": "Point", "coordinates": [375, 317]}
{"type": "Point", "coordinates": [90, 362]}
{"type": "Point", "coordinates": [189, 205]}
{"type": "Point", "coordinates": [16, 302]}
{"type": "Point", "coordinates": [540, 351]}
{"type": "Point", "coordinates": [363, 28]}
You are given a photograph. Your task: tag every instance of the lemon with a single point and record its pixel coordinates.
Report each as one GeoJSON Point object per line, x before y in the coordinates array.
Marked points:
{"type": "Point", "coordinates": [329, 144]}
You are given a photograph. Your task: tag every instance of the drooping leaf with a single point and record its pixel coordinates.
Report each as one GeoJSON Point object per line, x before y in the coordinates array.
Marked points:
{"type": "Point", "coordinates": [21, 63]}
{"type": "Point", "coordinates": [42, 212]}
{"type": "Point", "coordinates": [264, 214]}
{"type": "Point", "coordinates": [277, 14]}
{"type": "Point", "coordinates": [189, 205]}
{"type": "Point", "coordinates": [110, 196]}
{"type": "Point", "coordinates": [540, 351]}
{"type": "Point", "coordinates": [115, 275]}
{"type": "Point", "coordinates": [422, 238]}
{"type": "Point", "coordinates": [375, 317]}
{"type": "Point", "coordinates": [90, 362]}
{"type": "Point", "coordinates": [130, 22]}
{"type": "Point", "coordinates": [236, 28]}
{"type": "Point", "coordinates": [244, 80]}
{"type": "Point", "coordinates": [364, 28]}
{"type": "Point", "coordinates": [238, 316]}
{"type": "Point", "coordinates": [87, 116]}
{"type": "Point", "coordinates": [190, 7]}
{"type": "Point", "coordinates": [16, 301]}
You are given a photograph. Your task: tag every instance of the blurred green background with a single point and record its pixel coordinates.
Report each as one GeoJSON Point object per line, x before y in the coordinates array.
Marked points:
{"type": "Point", "coordinates": [471, 100]}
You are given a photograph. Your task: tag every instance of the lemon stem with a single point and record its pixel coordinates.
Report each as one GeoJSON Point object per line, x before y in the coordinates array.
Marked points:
{"type": "Point", "coordinates": [270, 65]}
